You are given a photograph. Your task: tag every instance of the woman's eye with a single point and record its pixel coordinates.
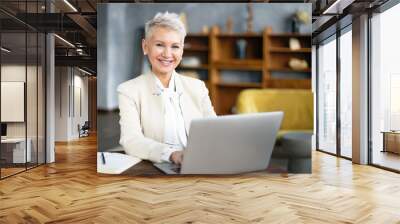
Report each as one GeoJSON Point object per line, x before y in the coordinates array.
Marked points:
{"type": "Point", "coordinates": [159, 45]}
{"type": "Point", "coordinates": [175, 47]}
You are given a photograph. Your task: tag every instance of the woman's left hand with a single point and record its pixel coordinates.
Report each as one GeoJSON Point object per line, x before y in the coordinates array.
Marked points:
{"type": "Point", "coordinates": [176, 157]}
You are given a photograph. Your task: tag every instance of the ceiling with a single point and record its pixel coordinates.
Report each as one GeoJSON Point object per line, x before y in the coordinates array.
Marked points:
{"type": "Point", "coordinates": [76, 22]}
{"type": "Point", "coordinates": [332, 15]}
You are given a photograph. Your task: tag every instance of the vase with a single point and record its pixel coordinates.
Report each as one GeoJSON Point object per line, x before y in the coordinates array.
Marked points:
{"type": "Point", "coordinates": [295, 26]}
{"type": "Point", "coordinates": [241, 45]}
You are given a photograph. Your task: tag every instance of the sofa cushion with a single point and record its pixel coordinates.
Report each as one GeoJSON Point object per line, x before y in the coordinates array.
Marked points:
{"type": "Point", "coordinates": [297, 105]}
{"type": "Point", "coordinates": [283, 132]}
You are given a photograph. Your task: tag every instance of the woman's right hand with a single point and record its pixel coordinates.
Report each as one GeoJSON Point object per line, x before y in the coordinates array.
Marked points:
{"type": "Point", "coordinates": [176, 157]}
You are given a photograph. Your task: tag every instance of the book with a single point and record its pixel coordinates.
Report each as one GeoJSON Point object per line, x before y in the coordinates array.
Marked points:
{"type": "Point", "coordinates": [115, 163]}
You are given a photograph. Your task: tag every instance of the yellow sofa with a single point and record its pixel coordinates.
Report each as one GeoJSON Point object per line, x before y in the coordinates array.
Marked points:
{"type": "Point", "coordinates": [296, 127]}
{"type": "Point", "coordinates": [297, 105]}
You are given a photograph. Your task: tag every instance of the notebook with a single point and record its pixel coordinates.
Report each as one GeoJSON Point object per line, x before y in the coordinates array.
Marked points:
{"type": "Point", "coordinates": [116, 163]}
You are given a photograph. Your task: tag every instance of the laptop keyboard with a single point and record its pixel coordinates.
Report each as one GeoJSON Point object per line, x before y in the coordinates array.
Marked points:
{"type": "Point", "coordinates": [176, 169]}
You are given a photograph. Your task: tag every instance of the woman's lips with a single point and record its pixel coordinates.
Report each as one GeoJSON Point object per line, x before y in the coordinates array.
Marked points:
{"type": "Point", "coordinates": [166, 62]}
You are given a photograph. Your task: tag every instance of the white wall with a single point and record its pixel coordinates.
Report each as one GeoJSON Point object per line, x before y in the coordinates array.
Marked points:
{"type": "Point", "coordinates": [80, 109]}
{"type": "Point", "coordinates": [13, 73]}
{"type": "Point", "coordinates": [71, 94]}
{"type": "Point", "coordinates": [61, 103]}
{"type": "Point", "coordinates": [33, 126]}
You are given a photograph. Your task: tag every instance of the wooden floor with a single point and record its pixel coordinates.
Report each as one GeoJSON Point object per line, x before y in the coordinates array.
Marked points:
{"type": "Point", "coordinates": [70, 191]}
{"type": "Point", "coordinates": [386, 159]}
{"type": "Point", "coordinates": [10, 171]}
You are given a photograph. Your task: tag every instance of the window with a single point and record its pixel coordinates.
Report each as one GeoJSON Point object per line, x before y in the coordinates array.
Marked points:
{"type": "Point", "coordinates": [22, 77]}
{"type": "Point", "coordinates": [346, 93]}
{"type": "Point", "coordinates": [385, 86]}
{"type": "Point", "coordinates": [327, 96]}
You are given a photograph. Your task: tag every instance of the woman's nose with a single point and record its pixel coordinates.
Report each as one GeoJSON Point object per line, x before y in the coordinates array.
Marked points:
{"type": "Point", "coordinates": [166, 52]}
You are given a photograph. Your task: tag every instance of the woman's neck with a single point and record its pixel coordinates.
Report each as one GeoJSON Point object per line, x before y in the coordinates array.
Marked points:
{"type": "Point", "coordinates": [164, 78]}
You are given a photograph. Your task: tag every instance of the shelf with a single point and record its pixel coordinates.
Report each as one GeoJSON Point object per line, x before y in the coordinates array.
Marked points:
{"type": "Point", "coordinates": [240, 85]}
{"type": "Point", "coordinates": [290, 83]}
{"type": "Point", "coordinates": [200, 67]}
{"type": "Point", "coordinates": [286, 69]}
{"type": "Point", "coordinates": [290, 35]}
{"type": "Point", "coordinates": [288, 50]}
{"type": "Point", "coordinates": [262, 51]}
{"type": "Point", "coordinates": [240, 35]}
{"type": "Point", "coordinates": [194, 35]}
{"type": "Point", "coordinates": [240, 64]}
{"type": "Point", "coordinates": [196, 48]}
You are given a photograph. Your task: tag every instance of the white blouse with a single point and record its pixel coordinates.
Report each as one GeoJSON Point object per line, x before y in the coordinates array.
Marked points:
{"type": "Point", "coordinates": [174, 129]}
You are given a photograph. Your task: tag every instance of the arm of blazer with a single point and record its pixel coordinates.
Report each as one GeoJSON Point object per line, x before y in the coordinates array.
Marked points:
{"type": "Point", "coordinates": [207, 108]}
{"type": "Point", "coordinates": [132, 138]}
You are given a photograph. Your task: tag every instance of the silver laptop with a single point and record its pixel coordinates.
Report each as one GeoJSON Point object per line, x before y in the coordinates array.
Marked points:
{"type": "Point", "coordinates": [229, 144]}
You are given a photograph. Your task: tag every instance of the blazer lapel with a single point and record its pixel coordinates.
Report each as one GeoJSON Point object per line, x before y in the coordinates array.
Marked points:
{"type": "Point", "coordinates": [157, 108]}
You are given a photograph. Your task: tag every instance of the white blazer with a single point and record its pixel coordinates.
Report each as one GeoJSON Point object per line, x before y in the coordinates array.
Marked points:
{"type": "Point", "coordinates": [142, 112]}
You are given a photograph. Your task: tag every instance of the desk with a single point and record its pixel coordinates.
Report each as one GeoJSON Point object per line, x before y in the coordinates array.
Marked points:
{"type": "Point", "coordinates": [143, 168]}
{"type": "Point", "coordinates": [13, 150]}
{"type": "Point", "coordinates": [146, 168]}
{"type": "Point", "coordinates": [391, 141]}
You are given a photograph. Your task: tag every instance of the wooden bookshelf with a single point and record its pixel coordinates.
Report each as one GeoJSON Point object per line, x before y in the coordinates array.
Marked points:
{"type": "Point", "coordinates": [285, 35]}
{"type": "Point", "coordinates": [239, 84]}
{"type": "Point", "coordinates": [288, 50]}
{"type": "Point", "coordinates": [196, 46]}
{"type": "Point", "coordinates": [277, 55]}
{"type": "Point", "coordinates": [287, 69]}
{"type": "Point", "coordinates": [235, 64]}
{"type": "Point", "coordinates": [290, 83]}
{"type": "Point", "coordinates": [197, 67]}
{"type": "Point", "coordinates": [266, 53]}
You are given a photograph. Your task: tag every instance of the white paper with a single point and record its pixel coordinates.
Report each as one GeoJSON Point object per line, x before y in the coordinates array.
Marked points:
{"type": "Point", "coordinates": [116, 163]}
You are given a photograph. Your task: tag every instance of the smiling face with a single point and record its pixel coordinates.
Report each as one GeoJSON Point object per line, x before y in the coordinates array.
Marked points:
{"type": "Point", "coordinates": [164, 48]}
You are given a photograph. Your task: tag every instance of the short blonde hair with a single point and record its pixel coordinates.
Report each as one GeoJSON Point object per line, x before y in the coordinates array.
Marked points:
{"type": "Point", "coordinates": [166, 20]}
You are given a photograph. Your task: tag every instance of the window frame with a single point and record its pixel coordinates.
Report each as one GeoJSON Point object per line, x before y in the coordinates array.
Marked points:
{"type": "Point", "coordinates": [334, 37]}
{"type": "Point", "coordinates": [379, 10]}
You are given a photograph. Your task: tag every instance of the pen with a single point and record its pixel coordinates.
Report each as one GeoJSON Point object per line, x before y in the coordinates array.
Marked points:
{"type": "Point", "coordinates": [103, 158]}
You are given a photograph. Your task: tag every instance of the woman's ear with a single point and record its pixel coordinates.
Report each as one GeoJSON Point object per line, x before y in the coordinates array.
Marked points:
{"type": "Point", "coordinates": [144, 46]}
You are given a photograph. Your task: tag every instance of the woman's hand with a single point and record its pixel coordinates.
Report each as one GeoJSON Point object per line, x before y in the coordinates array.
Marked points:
{"type": "Point", "coordinates": [176, 157]}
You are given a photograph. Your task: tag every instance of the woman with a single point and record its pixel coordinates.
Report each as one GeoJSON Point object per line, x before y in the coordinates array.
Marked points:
{"type": "Point", "coordinates": [156, 108]}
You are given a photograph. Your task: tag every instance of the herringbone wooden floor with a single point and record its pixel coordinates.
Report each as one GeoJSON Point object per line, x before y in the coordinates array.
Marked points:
{"type": "Point", "coordinates": [70, 191]}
